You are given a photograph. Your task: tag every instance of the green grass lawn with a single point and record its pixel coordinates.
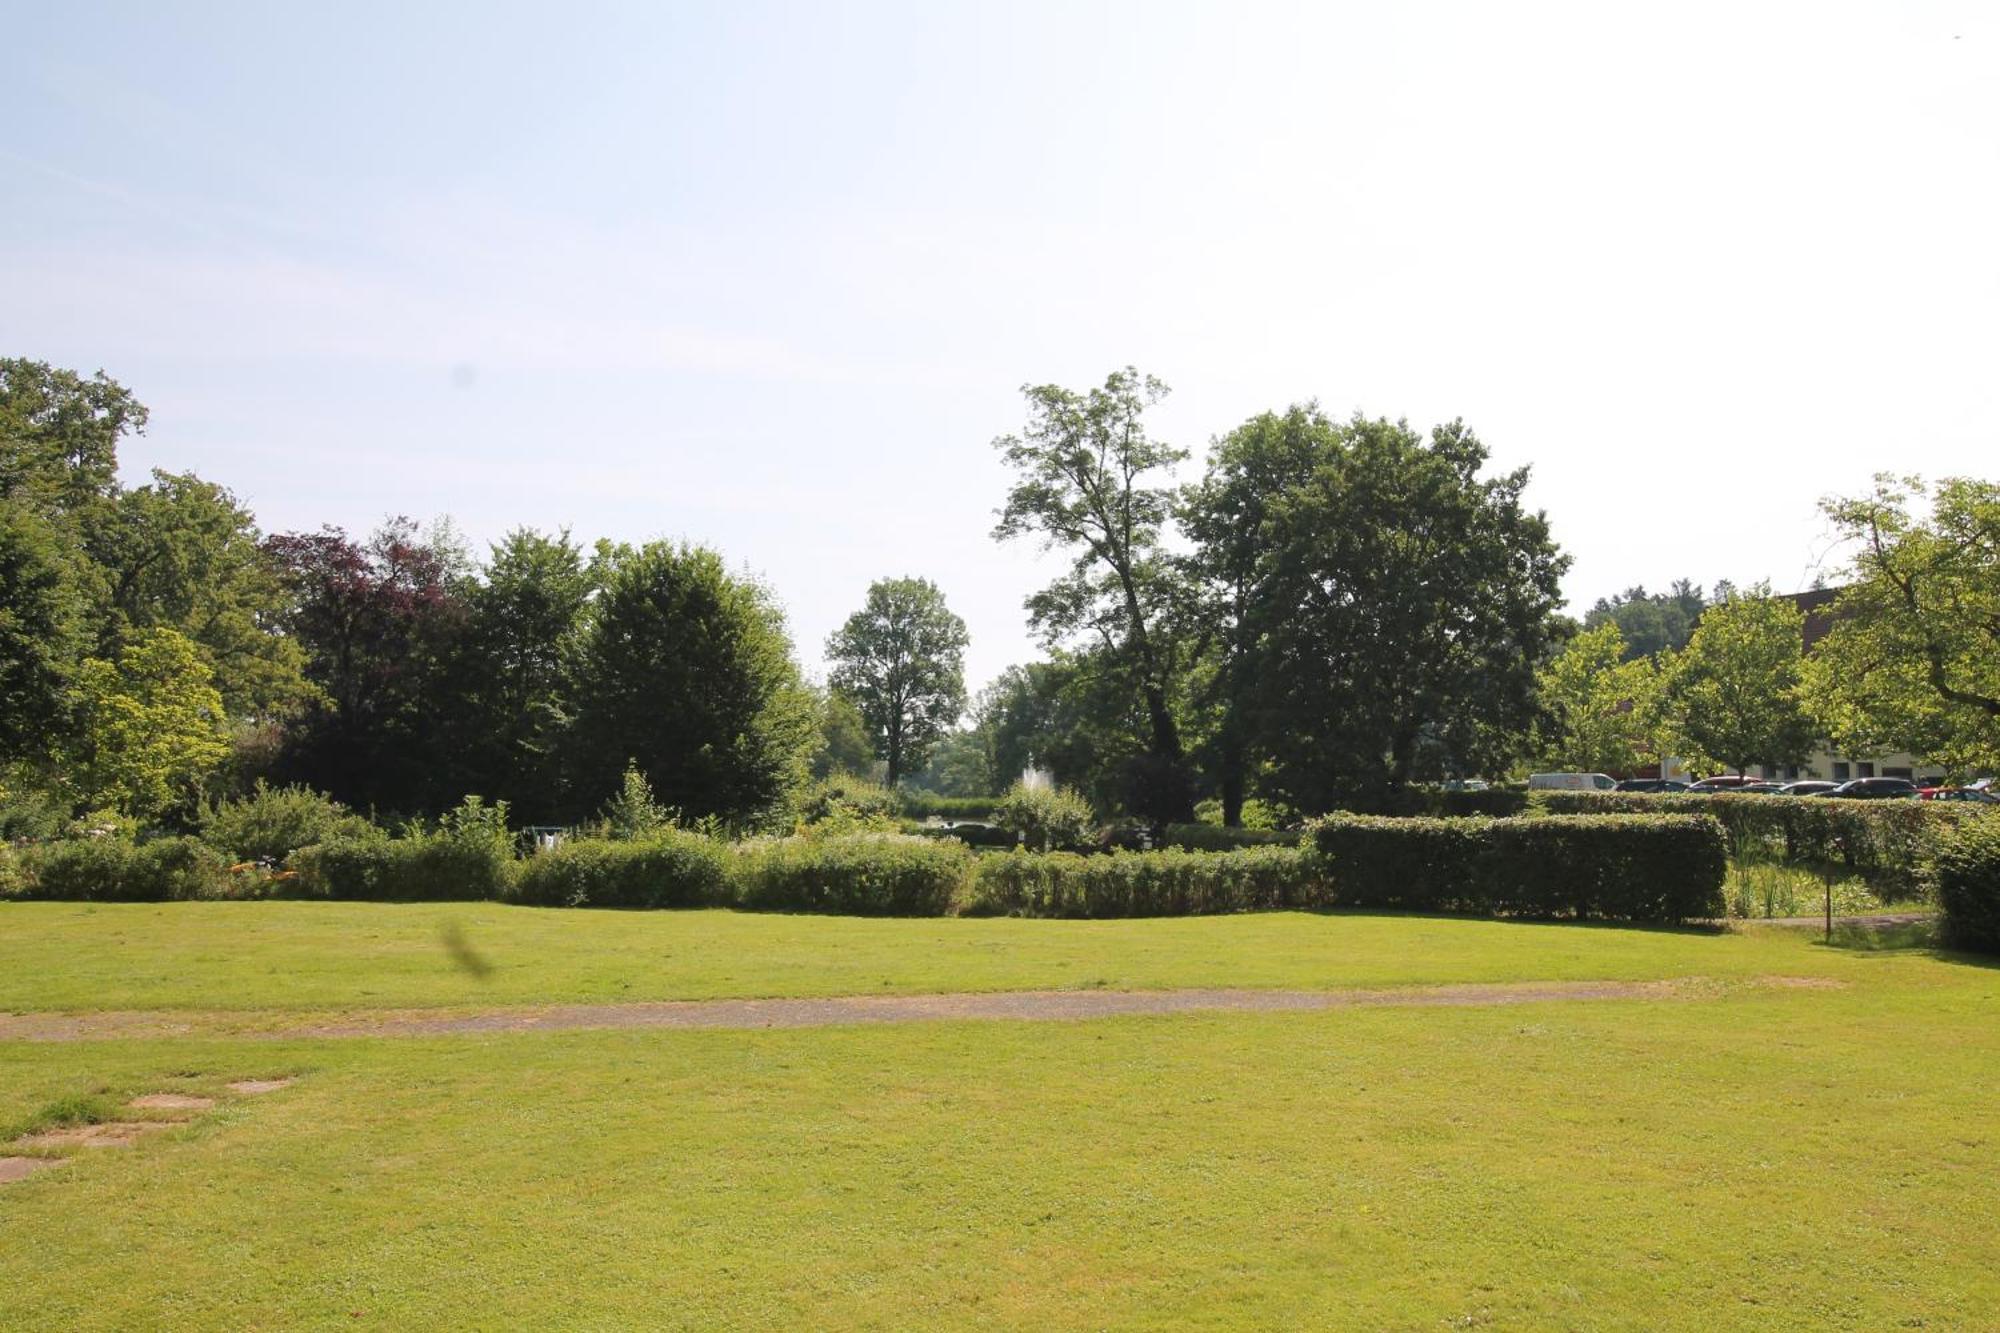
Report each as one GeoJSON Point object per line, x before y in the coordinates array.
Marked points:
{"type": "Point", "coordinates": [1772, 1158]}
{"type": "Point", "coordinates": [291, 955]}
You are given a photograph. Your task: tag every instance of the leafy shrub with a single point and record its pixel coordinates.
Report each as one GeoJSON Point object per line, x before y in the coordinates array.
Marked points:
{"type": "Point", "coordinates": [923, 804]}
{"type": "Point", "coordinates": [863, 875]}
{"type": "Point", "coordinates": [1890, 842]}
{"type": "Point", "coordinates": [1637, 868]}
{"type": "Point", "coordinates": [1048, 819]}
{"type": "Point", "coordinates": [112, 870]}
{"type": "Point", "coordinates": [1966, 864]}
{"type": "Point", "coordinates": [1166, 883]}
{"type": "Point", "coordinates": [470, 856]}
{"type": "Point", "coordinates": [28, 813]}
{"type": "Point", "coordinates": [633, 813]}
{"type": "Point", "coordinates": [1438, 803]}
{"type": "Point", "coordinates": [13, 878]}
{"type": "Point", "coordinates": [847, 804]}
{"type": "Point", "coordinates": [273, 822]}
{"type": "Point", "coordinates": [1216, 838]}
{"type": "Point", "coordinates": [671, 868]}
{"type": "Point", "coordinates": [1256, 813]}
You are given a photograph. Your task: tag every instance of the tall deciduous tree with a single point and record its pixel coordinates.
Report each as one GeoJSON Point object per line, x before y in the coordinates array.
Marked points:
{"type": "Point", "coordinates": [42, 637]}
{"type": "Point", "coordinates": [59, 435]}
{"type": "Point", "coordinates": [181, 553]}
{"type": "Point", "coordinates": [151, 726]}
{"type": "Point", "coordinates": [1734, 695]}
{"type": "Point", "coordinates": [1391, 604]}
{"type": "Point", "coordinates": [1601, 707]}
{"type": "Point", "coordinates": [1090, 480]}
{"type": "Point", "coordinates": [1913, 659]}
{"type": "Point", "coordinates": [901, 659]}
{"type": "Point", "coordinates": [686, 670]}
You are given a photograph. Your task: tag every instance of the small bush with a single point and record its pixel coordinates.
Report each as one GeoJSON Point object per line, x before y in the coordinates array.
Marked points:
{"type": "Point", "coordinates": [1216, 838]}
{"type": "Point", "coordinates": [273, 822]}
{"type": "Point", "coordinates": [13, 878]}
{"type": "Point", "coordinates": [1636, 868]}
{"type": "Point", "coordinates": [1048, 819]}
{"type": "Point", "coordinates": [1966, 865]}
{"type": "Point", "coordinates": [112, 870]}
{"type": "Point", "coordinates": [469, 857]}
{"type": "Point", "coordinates": [633, 813]}
{"type": "Point", "coordinates": [671, 868]}
{"type": "Point", "coordinates": [862, 875]}
{"type": "Point", "coordinates": [923, 804]}
{"type": "Point", "coordinates": [1126, 884]}
{"type": "Point", "coordinates": [847, 804]}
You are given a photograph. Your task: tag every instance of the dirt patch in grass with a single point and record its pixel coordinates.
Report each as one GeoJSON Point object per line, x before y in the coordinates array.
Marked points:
{"type": "Point", "coordinates": [252, 1087]}
{"type": "Point", "coordinates": [20, 1168]}
{"type": "Point", "coordinates": [170, 1101]}
{"type": "Point", "coordinates": [110, 1134]}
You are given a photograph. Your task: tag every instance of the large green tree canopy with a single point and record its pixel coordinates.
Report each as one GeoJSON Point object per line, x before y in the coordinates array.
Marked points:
{"type": "Point", "coordinates": [901, 659]}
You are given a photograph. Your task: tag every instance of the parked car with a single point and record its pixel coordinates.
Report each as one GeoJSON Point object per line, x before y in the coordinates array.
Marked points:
{"type": "Point", "coordinates": [1976, 795]}
{"type": "Point", "coordinates": [1763, 788]}
{"type": "Point", "coordinates": [1570, 782]}
{"type": "Point", "coordinates": [1874, 789]}
{"type": "Point", "coordinates": [1652, 785]}
{"type": "Point", "coordinates": [1725, 782]}
{"type": "Point", "coordinates": [1810, 787]}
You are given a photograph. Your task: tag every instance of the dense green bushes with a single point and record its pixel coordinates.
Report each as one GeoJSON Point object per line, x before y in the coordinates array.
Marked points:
{"type": "Point", "coordinates": [1048, 819]}
{"type": "Point", "coordinates": [1889, 842]}
{"type": "Point", "coordinates": [1967, 867]}
{"type": "Point", "coordinates": [923, 804]}
{"type": "Point", "coordinates": [1438, 803]}
{"type": "Point", "coordinates": [402, 870]}
{"type": "Point", "coordinates": [112, 870]}
{"type": "Point", "coordinates": [669, 868]}
{"type": "Point", "coordinates": [1166, 883]}
{"type": "Point", "coordinates": [273, 822]}
{"type": "Point", "coordinates": [865, 875]}
{"type": "Point", "coordinates": [1216, 838]}
{"type": "Point", "coordinates": [1656, 868]}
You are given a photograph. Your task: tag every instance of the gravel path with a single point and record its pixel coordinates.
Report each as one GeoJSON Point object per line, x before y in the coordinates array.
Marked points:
{"type": "Point", "coordinates": [1042, 1005]}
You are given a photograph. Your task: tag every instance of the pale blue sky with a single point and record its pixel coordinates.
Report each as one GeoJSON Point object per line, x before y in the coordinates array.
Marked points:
{"type": "Point", "coordinates": [769, 276]}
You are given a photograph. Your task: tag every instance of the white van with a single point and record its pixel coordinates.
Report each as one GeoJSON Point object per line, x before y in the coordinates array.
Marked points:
{"type": "Point", "coordinates": [1570, 782]}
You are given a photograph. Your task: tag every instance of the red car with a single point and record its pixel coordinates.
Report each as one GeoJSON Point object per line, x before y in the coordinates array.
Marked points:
{"type": "Point", "coordinates": [1977, 795]}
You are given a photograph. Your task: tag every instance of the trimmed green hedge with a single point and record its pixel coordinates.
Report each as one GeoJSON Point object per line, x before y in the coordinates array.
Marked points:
{"type": "Point", "coordinates": [111, 870]}
{"type": "Point", "coordinates": [923, 804]}
{"type": "Point", "coordinates": [1217, 838]}
{"type": "Point", "coordinates": [860, 875]}
{"type": "Point", "coordinates": [1616, 867]}
{"type": "Point", "coordinates": [1166, 883]}
{"type": "Point", "coordinates": [425, 869]}
{"type": "Point", "coordinates": [1437, 803]}
{"type": "Point", "coordinates": [669, 868]}
{"type": "Point", "coordinates": [1967, 866]}
{"type": "Point", "coordinates": [1889, 842]}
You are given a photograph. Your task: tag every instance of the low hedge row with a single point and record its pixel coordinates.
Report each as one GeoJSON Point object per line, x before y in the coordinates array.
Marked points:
{"type": "Point", "coordinates": [880, 875]}
{"type": "Point", "coordinates": [403, 870]}
{"type": "Point", "coordinates": [1216, 838]}
{"type": "Point", "coordinates": [1967, 866]}
{"type": "Point", "coordinates": [921, 805]}
{"type": "Point", "coordinates": [112, 870]}
{"type": "Point", "coordinates": [1437, 803]}
{"type": "Point", "coordinates": [1163, 883]}
{"type": "Point", "coordinates": [1888, 842]}
{"type": "Point", "coordinates": [670, 868]}
{"type": "Point", "coordinates": [1666, 868]}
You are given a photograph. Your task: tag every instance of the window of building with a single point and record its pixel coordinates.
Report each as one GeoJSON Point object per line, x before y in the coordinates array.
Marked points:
{"type": "Point", "coordinates": [1898, 773]}
{"type": "Point", "coordinates": [1865, 770]}
{"type": "Point", "coordinates": [1839, 771]}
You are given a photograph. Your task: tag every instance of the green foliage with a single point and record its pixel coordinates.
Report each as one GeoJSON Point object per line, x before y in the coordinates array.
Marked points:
{"type": "Point", "coordinates": [847, 805]}
{"type": "Point", "coordinates": [1913, 659]}
{"type": "Point", "coordinates": [59, 435]}
{"type": "Point", "coordinates": [1217, 838]}
{"type": "Point", "coordinates": [633, 813]}
{"type": "Point", "coordinates": [667, 868]}
{"type": "Point", "coordinates": [13, 877]}
{"type": "Point", "coordinates": [686, 669]}
{"type": "Point", "coordinates": [1734, 695]}
{"type": "Point", "coordinates": [1771, 888]}
{"type": "Point", "coordinates": [469, 856]}
{"type": "Point", "coordinates": [1651, 624]}
{"type": "Point", "coordinates": [151, 726]}
{"type": "Point", "coordinates": [1384, 604]}
{"type": "Point", "coordinates": [869, 875]}
{"type": "Point", "coordinates": [41, 633]}
{"type": "Point", "coordinates": [1163, 883]}
{"type": "Point", "coordinates": [1601, 706]}
{"type": "Point", "coordinates": [113, 870]}
{"type": "Point", "coordinates": [1084, 470]}
{"type": "Point", "coordinates": [1047, 819]}
{"type": "Point", "coordinates": [901, 660]}
{"type": "Point", "coordinates": [844, 747]}
{"type": "Point", "coordinates": [1441, 802]}
{"type": "Point", "coordinates": [273, 822]}
{"type": "Point", "coordinates": [1967, 870]}
{"type": "Point", "coordinates": [181, 553]}
{"type": "Point", "coordinates": [919, 804]}
{"type": "Point", "coordinates": [1663, 868]}
{"type": "Point", "coordinates": [1888, 842]}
